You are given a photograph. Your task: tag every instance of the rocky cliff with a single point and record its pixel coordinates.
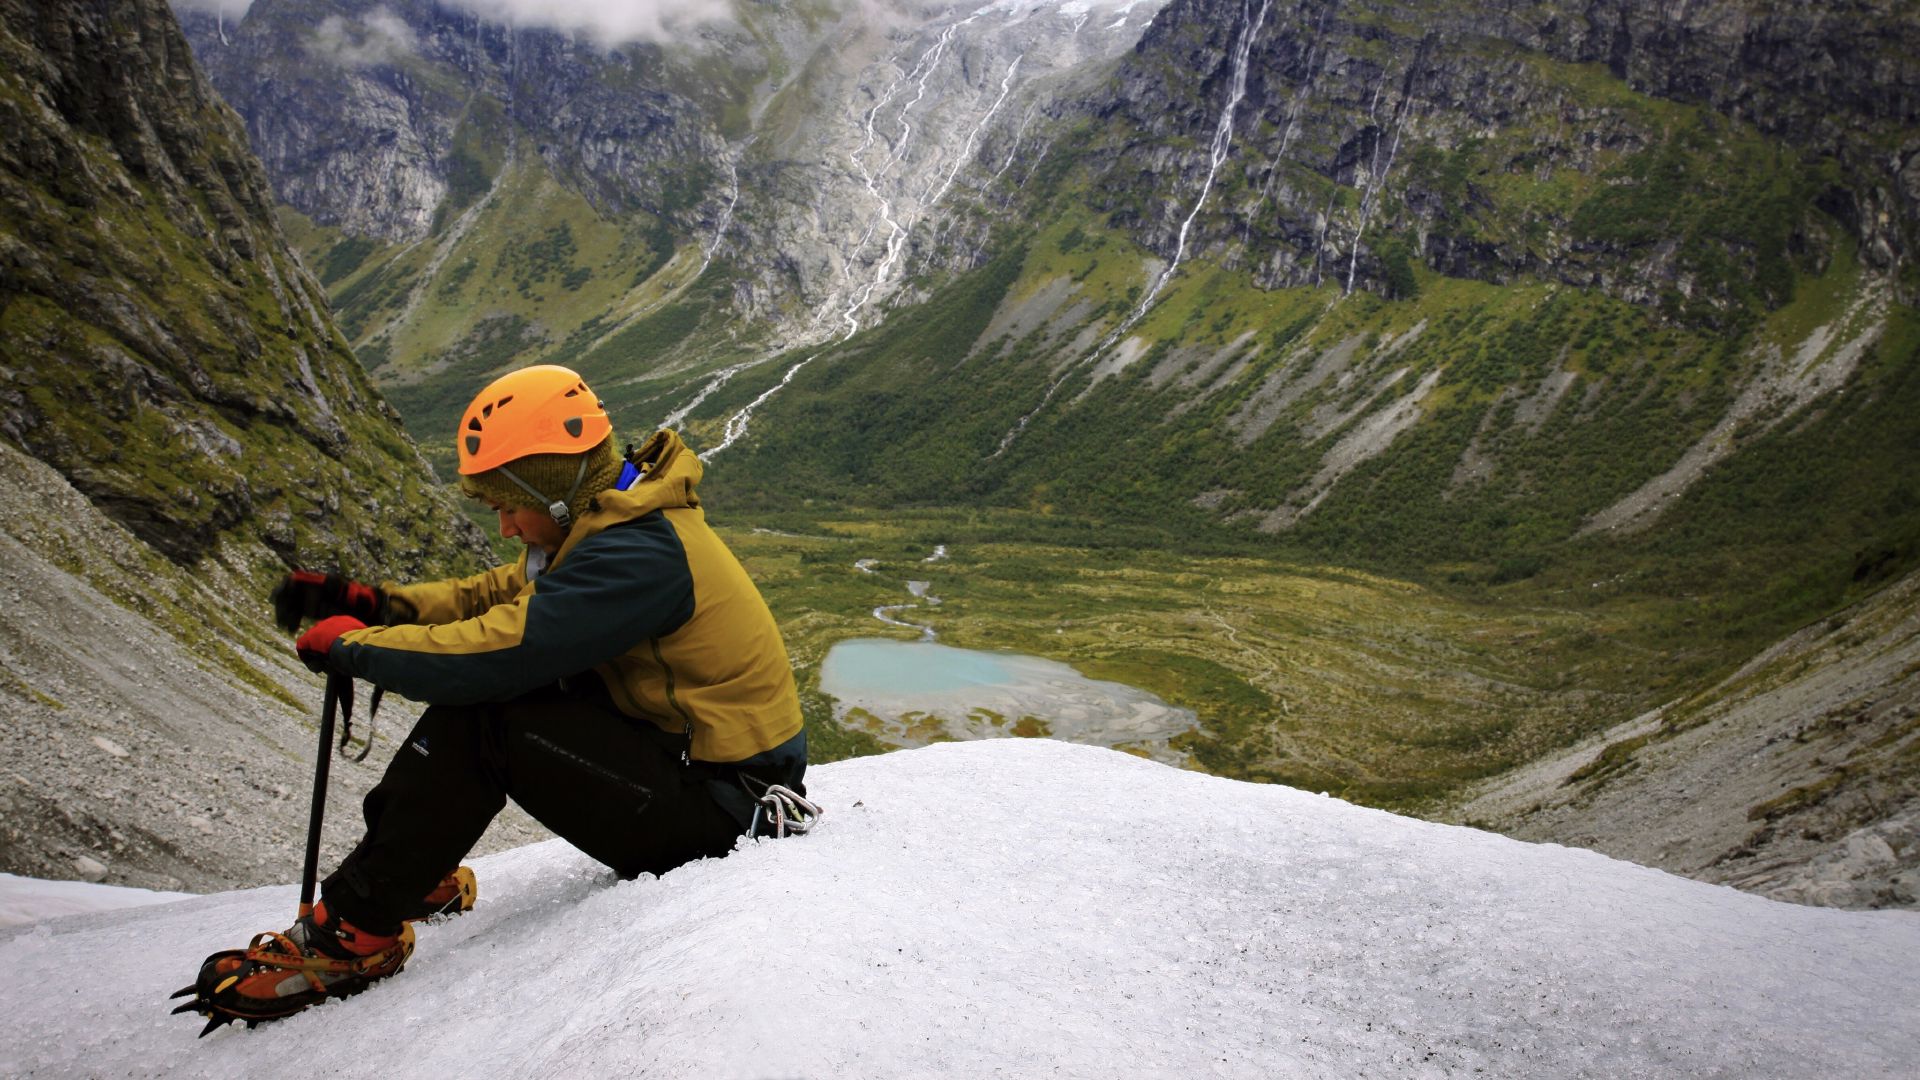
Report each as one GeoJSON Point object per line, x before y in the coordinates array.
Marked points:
{"type": "Point", "coordinates": [164, 349]}
{"type": "Point", "coordinates": [1543, 140]}
{"type": "Point", "coordinates": [156, 733]}
{"type": "Point", "coordinates": [385, 117]}
{"type": "Point", "coordinates": [198, 424]}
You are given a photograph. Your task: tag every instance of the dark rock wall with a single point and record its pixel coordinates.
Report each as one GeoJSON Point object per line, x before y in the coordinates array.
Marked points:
{"type": "Point", "coordinates": [355, 107]}
{"type": "Point", "coordinates": [1345, 98]}
{"type": "Point", "coordinates": [161, 346]}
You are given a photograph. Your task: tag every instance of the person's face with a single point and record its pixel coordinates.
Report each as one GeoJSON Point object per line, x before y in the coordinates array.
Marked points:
{"type": "Point", "coordinates": [534, 527]}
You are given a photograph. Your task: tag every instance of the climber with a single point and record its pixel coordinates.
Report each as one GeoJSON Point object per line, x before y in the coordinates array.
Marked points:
{"type": "Point", "coordinates": [623, 682]}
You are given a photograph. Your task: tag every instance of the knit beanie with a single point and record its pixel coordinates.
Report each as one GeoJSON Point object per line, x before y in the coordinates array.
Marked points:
{"type": "Point", "coordinates": [552, 475]}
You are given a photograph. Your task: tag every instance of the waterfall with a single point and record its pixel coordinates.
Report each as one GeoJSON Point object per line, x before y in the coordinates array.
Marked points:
{"type": "Point", "coordinates": [1376, 177]}
{"type": "Point", "coordinates": [897, 231]}
{"type": "Point", "coordinates": [1300, 94]}
{"type": "Point", "coordinates": [726, 216]}
{"type": "Point", "coordinates": [1217, 156]}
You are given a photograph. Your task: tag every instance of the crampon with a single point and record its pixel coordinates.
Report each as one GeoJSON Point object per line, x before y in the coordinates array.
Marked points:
{"type": "Point", "coordinates": [280, 974]}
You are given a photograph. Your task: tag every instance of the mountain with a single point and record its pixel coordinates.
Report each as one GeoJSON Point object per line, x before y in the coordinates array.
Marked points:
{"type": "Point", "coordinates": [181, 422]}
{"type": "Point", "coordinates": [1479, 282]}
{"type": "Point", "coordinates": [475, 192]}
{"type": "Point", "coordinates": [1581, 287]}
{"type": "Point", "coordinates": [165, 351]}
{"type": "Point", "coordinates": [1217, 926]}
{"type": "Point", "coordinates": [159, 733]}
{"type": "Point", "coordinates": [1601, 313]}
{"type": "Point", "coordinates": [1793, 776]}
{"type": "Point", "coordinates": [1635, 148]}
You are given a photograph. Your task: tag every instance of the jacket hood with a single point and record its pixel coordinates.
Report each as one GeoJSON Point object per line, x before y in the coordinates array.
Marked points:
{"type": "Point", "coordinates": [669, 480]}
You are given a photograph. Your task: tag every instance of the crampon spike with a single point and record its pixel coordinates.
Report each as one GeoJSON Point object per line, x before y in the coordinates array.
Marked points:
{"type": "Point", "coordinates": [198, 1005]}
{"type": "Point", "coordinates": [217, 1020]}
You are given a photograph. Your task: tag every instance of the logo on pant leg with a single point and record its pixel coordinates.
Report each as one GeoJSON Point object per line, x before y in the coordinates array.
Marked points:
{"type": "Point", "coordinates": [419, 745]}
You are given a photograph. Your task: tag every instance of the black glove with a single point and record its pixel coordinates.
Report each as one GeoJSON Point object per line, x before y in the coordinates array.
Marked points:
{"type": "Point", "coordinates": [304, 594]}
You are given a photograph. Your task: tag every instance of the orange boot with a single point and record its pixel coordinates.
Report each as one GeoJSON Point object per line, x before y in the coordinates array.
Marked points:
{"type": "Point", "coordinates": [453, 896]}
{"type": "Point", "coordinates": [320, 957]}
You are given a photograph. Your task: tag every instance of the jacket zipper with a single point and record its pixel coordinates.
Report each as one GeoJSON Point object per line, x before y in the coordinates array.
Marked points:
{"type": "Point", "coordinates": [686, 752]}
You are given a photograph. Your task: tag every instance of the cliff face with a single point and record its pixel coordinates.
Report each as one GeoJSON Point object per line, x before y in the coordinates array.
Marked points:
{"type": "Point", "coordinates": [373, 114]}
{"type": "Point", "coordinates": [163, 349]}
{"type": "Point", "coordinates": [1840, 81]}
{"type": "Point", "coordinates": [1568, 141]}
{"type": "Point", "coordinates": [487, 195]}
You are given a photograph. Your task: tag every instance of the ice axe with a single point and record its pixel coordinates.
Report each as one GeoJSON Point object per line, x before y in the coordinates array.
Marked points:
{"type": "Point", "coordinates": [338, 700]}
{"type": "Point", "coordinates": [336, 710]}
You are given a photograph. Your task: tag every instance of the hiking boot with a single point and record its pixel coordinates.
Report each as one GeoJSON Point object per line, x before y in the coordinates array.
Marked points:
{"type": "Point", "coordinates": [453, 896]}
{"type": "Point", "coordinates": [320, 957]}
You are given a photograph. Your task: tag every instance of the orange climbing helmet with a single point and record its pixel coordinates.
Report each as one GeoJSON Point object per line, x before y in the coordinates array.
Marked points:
{"type": "Point", "coordinates": [544, 409]}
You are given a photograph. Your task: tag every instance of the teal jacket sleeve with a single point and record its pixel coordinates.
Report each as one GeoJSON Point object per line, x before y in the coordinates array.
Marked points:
{"type": "Point", "coordinates": [614, 590]}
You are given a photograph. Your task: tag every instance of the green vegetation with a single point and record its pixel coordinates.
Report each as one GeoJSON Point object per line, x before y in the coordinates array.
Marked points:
{"type": "Point", "coordinates": [532, 261]}
{"type": "Point", "coordinates": [1373, 689]}
{"type": "Point", "coordinates": [1348, 530]}
{"type": "Point", "coordinates": [1729, 201]}
{"type": "Point", "coordinates": [344, 258]}
{"type": "Point", "coordinates": [432, 404]}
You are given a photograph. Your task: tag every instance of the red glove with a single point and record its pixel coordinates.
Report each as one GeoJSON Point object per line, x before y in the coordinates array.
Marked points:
{"type": "Point", "coordinates": [304, 594]}
{"type": "Point", "coordinates": [314, 645]}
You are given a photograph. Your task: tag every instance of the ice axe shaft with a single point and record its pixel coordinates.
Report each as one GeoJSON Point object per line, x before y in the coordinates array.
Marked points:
{"type": "Point", "coordinates": [338, 686]}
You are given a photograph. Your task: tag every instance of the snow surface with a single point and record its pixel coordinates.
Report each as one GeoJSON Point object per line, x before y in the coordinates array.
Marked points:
{"type": "Point", "coordinates": [1031, 908]}
{"type": "Point", "coordinates": [25, 900]}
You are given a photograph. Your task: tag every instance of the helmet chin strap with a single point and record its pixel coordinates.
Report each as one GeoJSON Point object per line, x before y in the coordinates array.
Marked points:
{"type": "Point", "coordinates": [556, 509]}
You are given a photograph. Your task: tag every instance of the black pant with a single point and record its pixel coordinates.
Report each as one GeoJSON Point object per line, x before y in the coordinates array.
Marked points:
{"type": "Point", "coordinates": [611, 785]}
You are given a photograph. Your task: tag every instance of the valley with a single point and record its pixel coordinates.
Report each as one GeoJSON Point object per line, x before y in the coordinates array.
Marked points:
{"type": "Point", "coordinates": [1430, 699]}
{"type": "Point", "coordinates": [1507, 416]}
{"type": "Point", "coordinates": [1370, 688]}
{"type": "Point", "coordinates": [1412, 407]}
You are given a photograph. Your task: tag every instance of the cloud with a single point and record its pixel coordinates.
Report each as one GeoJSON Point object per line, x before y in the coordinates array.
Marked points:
{"type": "Point", "coordinates": [611, 22]}
{"type": "Point", "coordinates": [378, 37]}
{"type": "Point", "coordinates": [232, 9]}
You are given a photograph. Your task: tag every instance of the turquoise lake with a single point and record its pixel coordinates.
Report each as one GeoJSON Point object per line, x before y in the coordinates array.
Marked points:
{"type": "Point", "coordinates": [970, 694]}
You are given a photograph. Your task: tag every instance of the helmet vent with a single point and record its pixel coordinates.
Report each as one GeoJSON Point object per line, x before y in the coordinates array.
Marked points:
{"type": "Point", "coordinates": [474, 424]}
{"type": "Point", "coordinates": [574, 425]}
{"type": "Point", "coordinates": [473, 444]}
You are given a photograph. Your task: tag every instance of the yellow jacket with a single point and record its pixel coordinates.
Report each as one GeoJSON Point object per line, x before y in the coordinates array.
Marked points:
{"type": "Point", "coordinates": [641, 592]}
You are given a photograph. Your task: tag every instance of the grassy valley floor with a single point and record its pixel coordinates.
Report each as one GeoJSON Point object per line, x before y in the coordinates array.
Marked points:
{"type": "Point", "coordinates": [1380, 691]}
